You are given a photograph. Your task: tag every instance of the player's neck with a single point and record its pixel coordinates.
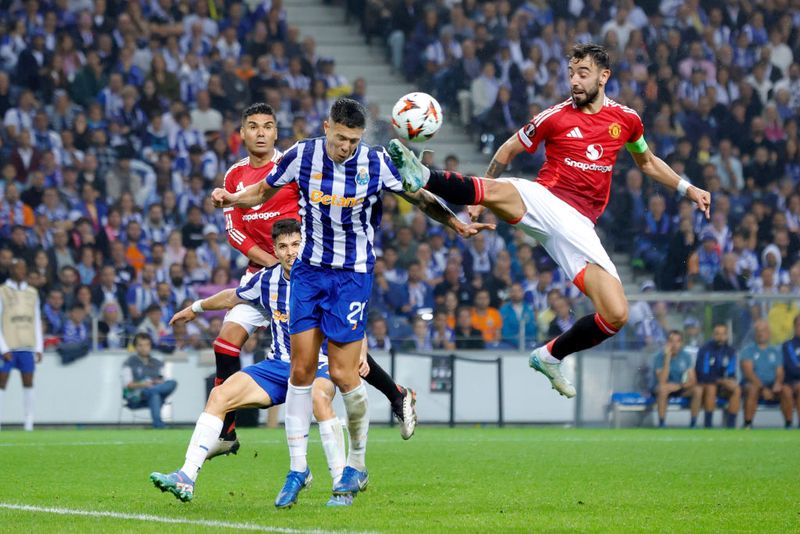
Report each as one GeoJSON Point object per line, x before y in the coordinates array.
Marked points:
{"type": "Point", "coordinates": [259, 160]}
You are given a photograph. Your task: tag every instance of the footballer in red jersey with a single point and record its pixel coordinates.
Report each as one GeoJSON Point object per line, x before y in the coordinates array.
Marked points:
{"type": "Point", "coordinates": [250, 232]}
{"type": "Point", "coordinates": [582, 137]}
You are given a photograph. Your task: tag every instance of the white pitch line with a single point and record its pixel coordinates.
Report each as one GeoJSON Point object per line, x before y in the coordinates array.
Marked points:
{"type": "Point", "coordinates": [154, 518]}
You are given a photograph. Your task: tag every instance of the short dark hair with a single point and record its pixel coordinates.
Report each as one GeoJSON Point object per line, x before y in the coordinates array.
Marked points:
{"type": "Point", "coordinates": [142, 335]}
{"type": "Point", "coordinates": [348, 112]}
{"type": "Point", "coordinates": [598, 53]}
{"type": "Point", "coordinates": [285, 227]}
{"type": "Point", "coordinates": [259, 108]}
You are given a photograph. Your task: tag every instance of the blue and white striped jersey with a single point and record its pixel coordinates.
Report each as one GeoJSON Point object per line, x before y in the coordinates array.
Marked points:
{"type": "Point", "coordinates": [340, 204]}
{"type": "Point", "coordinates": [268, 290]}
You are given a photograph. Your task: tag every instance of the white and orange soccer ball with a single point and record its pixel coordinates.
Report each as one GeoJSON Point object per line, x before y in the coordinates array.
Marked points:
{"type": "Point", "coordinates": [417, 117]}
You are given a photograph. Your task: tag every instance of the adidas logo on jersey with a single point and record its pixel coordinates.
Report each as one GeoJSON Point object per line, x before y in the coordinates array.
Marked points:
{"type": "Point", "coordinates": [575, 133]}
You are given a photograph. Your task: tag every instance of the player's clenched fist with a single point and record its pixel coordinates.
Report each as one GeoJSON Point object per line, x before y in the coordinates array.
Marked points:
{"type": "Point", "coordinates": [221, 198]}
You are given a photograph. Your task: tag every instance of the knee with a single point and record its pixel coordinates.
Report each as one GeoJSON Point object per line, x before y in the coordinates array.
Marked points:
{"type": "Point", "coordinates": [322, 406]}
{"type": "Point", "coordinates": [617, 315]}
{"type": "Point", "coordinates": [218, 401]}
{"type": "Point", "coordinates": [301, 376]}
{"type": "Point", "coordinates": [346, 379]}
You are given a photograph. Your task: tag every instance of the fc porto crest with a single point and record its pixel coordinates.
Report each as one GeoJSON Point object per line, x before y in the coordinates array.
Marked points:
{"type": "Point", "coordinates": [362, 178]}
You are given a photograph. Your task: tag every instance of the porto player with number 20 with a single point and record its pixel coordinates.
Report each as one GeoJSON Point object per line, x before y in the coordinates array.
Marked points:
{"type": "Point", "coordinates": [582, 137]}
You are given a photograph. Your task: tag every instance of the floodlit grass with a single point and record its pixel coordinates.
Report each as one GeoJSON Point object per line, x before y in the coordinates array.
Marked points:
{"type": "Point", "coordinates": [465, 479]}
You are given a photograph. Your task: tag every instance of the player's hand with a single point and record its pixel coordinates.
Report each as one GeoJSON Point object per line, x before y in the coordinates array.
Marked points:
{"type": "Point", "coordinates": [776, 388]}
{"type": "Point", "coordinates": [7, 356]}
{"type": "Point", "coordinates": [702, 198]}
{"type": "Point", "coordinates": [475, 212]}
{"type": "Point", "coordinates": [186, 315]}
{"type": "Point", "coordinates": [221, 198]}
{"type": "Point", "coordinates": [469, 230]}
{"type": "Point", "coordinates": [38, 356]}
{"type": "Point", "coordinates": [363, 365]}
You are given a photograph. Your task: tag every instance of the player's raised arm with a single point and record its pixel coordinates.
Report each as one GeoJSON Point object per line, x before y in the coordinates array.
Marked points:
{"type": "Point", "coordinates": [224, 300]}
{"type": "Point", "coordinates": [246, 198]}
{"type": "Point", "coordinates": [656, 168]}
{"type": "Point", "coordinates": [501, 159]}
{"type": "Point", "coordinates": [434, 208]}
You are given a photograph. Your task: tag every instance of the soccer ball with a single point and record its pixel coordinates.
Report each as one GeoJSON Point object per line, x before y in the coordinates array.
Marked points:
{"type": "Point", "coordinates": [417, 117]}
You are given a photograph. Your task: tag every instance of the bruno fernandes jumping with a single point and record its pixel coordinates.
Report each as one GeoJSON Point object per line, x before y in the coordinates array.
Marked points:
{"type": "Point", "coordinates": [582, 137]}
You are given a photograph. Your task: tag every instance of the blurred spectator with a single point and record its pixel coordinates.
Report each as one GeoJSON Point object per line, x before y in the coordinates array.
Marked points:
{"type": "Point", "coordinates": [111, 331]}
{"type": "Point", "coordinates": [467, 336]}
{"type": "Point", "coordinates": [563, 318]}
{"type": "Point", "coordinates": [791, 364]}
{"type": "Point", "coordinates": [675, 377]}
{"type": "Point", "coordinates": [442, 336]}
{"type": "Point", "coordinates": [378, 338]}
{"type": "Point", "coordinates": [156, 328]}
{"type": "Point", "coordinates": [716, 374]}
{"type": "Point", "coordinates": [143, 380]}
{"type": "Point", "coordinates": [486, 318]}
{"type": "Point", "coordinates": [75, 338]}
{"type": "Point", "coordinates": [518, 318]}
{"type": "Point", "coordinates": [763, 376]}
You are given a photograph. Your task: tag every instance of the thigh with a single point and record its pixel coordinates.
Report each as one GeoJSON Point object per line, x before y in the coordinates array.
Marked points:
{"type": "Point", "coordinates": [345, 310]}
{"type": "Point", "coordinates": [24, 361]}
{"type": "Point", "coordinates": [309, 290]}
{"type": "Point", "coordinates": [240, 322]}
{"type": "Point", "coordinates": [263, 384]}
{"type": "Point", "coordinates": [3, 378]}
{"type": "Point", "coordinates": [343, 357]}
{"type": "Point", "coordinates": [727, 386]}
{"type": "Point", "coordinates": [503, 198]}
{"type": "Point", "coordinates": [305, 349]}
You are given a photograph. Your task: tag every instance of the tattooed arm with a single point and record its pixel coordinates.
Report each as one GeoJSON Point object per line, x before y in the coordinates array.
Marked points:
{"type": "Point", "coordinates": [434, 208]}
{"type": "Point", "coordinates": [508, 151]}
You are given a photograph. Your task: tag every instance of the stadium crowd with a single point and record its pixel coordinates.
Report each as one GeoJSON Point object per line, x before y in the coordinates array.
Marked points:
{"type": "Point", "coordinates": [119, 118]}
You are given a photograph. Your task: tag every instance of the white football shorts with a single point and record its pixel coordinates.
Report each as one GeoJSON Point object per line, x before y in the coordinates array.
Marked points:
{"type": "Point", "coordinates": [566, 234]}
{"type": "Point", "coordinates": [248, 317]}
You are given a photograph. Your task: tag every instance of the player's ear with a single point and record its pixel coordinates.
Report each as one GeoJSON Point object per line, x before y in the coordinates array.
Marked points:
{"type": "Point", "coordinates": [325, 126]}
{"type": "Point", "coordinates": [605, 74]}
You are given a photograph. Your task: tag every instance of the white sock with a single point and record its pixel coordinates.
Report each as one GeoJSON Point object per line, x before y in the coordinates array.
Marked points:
{"type": "Point", "coordinates": [206, 433]}
{"type": "Point", "coordinates": [27, 407]}
{"type": "Point", "coordinates": [298, 423]}
{"type": "Point", "coordinates": [332, 435]}
{"type": "Point", "coordinates": [355, 402]}
{"type": "Point", "coordinates": [547, 357]}
{"type": "Point", "coordinates": [2, 392]}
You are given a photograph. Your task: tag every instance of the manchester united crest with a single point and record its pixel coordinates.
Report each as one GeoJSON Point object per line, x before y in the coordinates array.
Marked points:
{"type": "Point", "coordinates": [614, 130]}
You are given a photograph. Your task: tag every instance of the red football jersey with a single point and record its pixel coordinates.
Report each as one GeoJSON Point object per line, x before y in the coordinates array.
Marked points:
{"type": "Point", "coordinates": [580, 150]}
{"type": "Point", "coordinates": [249, 227]}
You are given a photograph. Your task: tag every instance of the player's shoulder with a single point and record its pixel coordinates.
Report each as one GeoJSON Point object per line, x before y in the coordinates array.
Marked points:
{"type": "Point", "coordinates": [622, 110]}
{"type": "Point", "coordinates": [551, 113]}
{"type": "Point", "coordinates": [237, 167]}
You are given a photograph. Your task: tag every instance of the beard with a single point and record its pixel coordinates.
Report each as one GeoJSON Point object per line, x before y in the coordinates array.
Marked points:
{"type": "Point", "coordinates": [586, 98]}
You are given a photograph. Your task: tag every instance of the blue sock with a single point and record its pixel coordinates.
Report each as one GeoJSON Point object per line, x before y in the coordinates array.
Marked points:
{"type": "Point", "coordinates": [693, 422]}
{"type": "Point", "coordinates": [661, 423]}
{"type": "Point", "coordinates": [730, 420]}
{"type": "Point", "coordinates": [709, 418]}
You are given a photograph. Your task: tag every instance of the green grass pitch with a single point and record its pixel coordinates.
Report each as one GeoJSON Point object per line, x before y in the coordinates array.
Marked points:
{"type": "Point", "coordinates": [465, 479]}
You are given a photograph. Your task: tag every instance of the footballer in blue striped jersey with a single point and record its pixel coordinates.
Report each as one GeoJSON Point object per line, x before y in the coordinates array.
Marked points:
{"type": "Point", "coordinates": [265, 383]}
{"type": "Point", "coordinates": [341, 181]}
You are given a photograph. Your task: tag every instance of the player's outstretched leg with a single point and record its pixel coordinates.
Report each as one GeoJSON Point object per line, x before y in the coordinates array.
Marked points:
{"type": "Point", "coordinates": [239, 390]}
{"type": "Point", "coordinates": [500, 196]}
{"type": "Point", "coordinates": [403, 400]}
{"type": "Point", "coordinates": [606, 293]}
